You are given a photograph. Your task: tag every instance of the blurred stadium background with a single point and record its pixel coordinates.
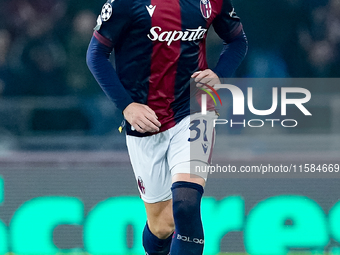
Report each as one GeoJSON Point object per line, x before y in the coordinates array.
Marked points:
{"type": "Point", "coordinates": [66, 184]}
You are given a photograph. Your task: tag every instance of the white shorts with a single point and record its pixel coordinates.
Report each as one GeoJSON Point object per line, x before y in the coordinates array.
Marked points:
{"type": "Point", "coordinates": [155, 159]}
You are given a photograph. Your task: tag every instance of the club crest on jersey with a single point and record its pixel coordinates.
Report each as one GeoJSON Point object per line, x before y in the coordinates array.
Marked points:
{"type": "Point", "coordinates": [141, 185]}
{"type": "Point", "coordinates": [106, 12]}
{"type": "Point", "coordinates": [206, 9]}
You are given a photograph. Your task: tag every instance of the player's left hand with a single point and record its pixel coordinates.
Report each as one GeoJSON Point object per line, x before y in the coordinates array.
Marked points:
{"type": "Point", "coordinates": [206, 76]}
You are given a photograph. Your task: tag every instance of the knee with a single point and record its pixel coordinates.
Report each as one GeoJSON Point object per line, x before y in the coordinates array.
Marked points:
{"type": "Point", "coordinates": [186, 200]}
{"type": "Point", "coordinates": [184, 207]}
{"type": "Point", "coordinates": [160, 219]}
{"type": "Point", "coordinates": [162, 229]}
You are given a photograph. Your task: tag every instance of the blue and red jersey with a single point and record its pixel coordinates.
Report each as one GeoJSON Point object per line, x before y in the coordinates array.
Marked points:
{"type": "Point", "coordinates": [158, 45]}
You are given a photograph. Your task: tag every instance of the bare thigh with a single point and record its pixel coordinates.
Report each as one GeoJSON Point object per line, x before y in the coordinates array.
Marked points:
{"type": "Point", "coordinates": [188, 178]}
{"type": "Point", "coordinates": [160, 218]}
{"type": "Point", "coordinates": [160, 214]}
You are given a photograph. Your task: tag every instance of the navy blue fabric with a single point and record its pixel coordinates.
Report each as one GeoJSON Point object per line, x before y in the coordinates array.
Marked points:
{"type": "Point", "coordinates": [188, 238]}
{"type": "Point", "coordinates": [232, 55]}
{"type": "Point", "coordinates": [226, 24]}
{"type": "Point", "coordinates": [98, 62]}
{"type": "Point", "coordinates": [153, 245]}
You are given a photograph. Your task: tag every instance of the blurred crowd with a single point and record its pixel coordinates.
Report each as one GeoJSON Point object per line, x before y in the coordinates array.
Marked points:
{"type": "Point", "coordinates": [319, 38]}
{"type": "Point", "coordinates": [43, 43]}
{"type": "Point", "coordinates": [292, 38]}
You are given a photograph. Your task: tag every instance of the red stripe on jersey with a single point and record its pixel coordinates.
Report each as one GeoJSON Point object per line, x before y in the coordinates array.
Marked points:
{"type": "Point", "coordinates": [202, 58]}
{"type": "Point", "coordinates": [216, 6]}
{"type": "Point", "coordinates": [202, 64]}
{"type": "Point", "coordinates": [164, 62]}
{"type": "Point", "coordinates": [102, 39]}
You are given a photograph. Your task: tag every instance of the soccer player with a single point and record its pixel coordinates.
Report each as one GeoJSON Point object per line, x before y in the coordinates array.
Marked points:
{"type": "Point", "coordinates": [159, 45]}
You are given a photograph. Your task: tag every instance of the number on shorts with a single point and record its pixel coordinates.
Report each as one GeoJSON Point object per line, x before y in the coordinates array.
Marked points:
{"type": "Point", "coordinates": [194, 127]}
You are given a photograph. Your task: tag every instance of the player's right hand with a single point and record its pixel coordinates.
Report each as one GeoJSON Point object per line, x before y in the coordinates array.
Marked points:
{"type": "Point", "coordinates": [142, 118]}
{"type": "Point", "coordinates": [206, 76]}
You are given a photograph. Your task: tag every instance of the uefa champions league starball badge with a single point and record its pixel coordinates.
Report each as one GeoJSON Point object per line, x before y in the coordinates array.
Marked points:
{"type": "Point", "coordinates": [106, 12]}
{"type": "Point", "coordinates": [205, 7]}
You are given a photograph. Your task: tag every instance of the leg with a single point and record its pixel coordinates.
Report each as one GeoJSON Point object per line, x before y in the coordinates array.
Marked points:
{"type": "Point", "coordinates": [160, 219]}
{"type": "Point", "coordinates": [157, 234]}
{"type": "Point", "coordinates": [188, 178]}
{"type": "Point", "coordinates": [188, 237]}
{"type": "Point", "coordinates": [187, 185]}
{"type": "Point", "coordinates": [148, 158]}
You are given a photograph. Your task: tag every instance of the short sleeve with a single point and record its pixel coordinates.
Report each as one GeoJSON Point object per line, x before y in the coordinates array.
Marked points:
{"type": "Point", "coordinates": [227, 24]}
{"type": "Point", "coordinates": [114, 20]}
